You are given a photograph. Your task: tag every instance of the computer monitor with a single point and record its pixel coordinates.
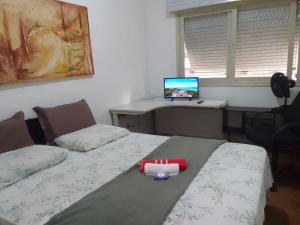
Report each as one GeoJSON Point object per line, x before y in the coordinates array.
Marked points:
{"type": "Point", "coordinates": [181, 87]}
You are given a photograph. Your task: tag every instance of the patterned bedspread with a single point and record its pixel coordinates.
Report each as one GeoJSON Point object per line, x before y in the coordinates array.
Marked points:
{"type": "Point", "coordinates": [230, 189]}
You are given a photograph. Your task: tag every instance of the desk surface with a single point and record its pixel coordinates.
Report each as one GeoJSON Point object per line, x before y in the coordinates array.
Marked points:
{"type": "Point", "coordinates": [144, 106]}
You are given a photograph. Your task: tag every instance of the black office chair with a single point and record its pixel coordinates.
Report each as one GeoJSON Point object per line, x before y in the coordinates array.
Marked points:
{"type": "Point", "coordinates": [275, 136]}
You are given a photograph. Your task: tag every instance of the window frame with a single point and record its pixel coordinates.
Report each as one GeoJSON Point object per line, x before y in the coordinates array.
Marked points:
{"type": "Point", "coordinates": [232, 9]}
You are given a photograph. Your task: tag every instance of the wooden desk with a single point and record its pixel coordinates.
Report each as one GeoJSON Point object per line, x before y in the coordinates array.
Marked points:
{"type": "Point", "coordinates": [181, 117]}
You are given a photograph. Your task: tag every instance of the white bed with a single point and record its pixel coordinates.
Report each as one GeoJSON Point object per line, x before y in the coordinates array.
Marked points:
{"type": "Point", "coordinates": [229, 190]}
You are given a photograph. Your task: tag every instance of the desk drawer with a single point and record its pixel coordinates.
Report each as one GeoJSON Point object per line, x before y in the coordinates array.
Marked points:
{"type": "Point", "coordinates": [196, 122]}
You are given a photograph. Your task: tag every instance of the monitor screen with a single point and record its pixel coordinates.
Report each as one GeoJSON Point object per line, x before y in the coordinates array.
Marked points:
{"type": "Point", "coordinates": [183, 87]}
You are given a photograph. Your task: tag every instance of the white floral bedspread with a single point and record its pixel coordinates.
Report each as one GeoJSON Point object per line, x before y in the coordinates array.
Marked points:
{"type": "Point", "coordinates": [230, 189]}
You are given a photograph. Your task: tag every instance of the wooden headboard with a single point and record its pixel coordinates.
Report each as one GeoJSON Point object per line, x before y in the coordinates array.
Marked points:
{"type": "Point", "coordinates": [36, 131]}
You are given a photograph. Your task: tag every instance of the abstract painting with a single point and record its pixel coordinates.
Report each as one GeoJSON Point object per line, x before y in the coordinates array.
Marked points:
{"type": "Point", "coordinates": [43, 39]}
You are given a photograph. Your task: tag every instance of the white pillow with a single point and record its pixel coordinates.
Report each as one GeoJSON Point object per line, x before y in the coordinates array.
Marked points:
{"type": "Point", "coordinates": [91, 138]}
{"type": "Point", "coordinates": [21, 163]}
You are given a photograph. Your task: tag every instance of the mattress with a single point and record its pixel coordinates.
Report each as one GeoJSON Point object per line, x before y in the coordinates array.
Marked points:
{"type": "Point", "coordinates": [230, 189]}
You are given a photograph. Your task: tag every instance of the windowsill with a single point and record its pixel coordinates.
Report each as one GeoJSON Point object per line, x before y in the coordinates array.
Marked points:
{"type": "Point", "coordinates": [237, 82]}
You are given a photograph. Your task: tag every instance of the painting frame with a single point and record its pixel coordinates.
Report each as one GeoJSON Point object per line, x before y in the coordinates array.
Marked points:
{"type": "Point", "coordinates": [44, 40]}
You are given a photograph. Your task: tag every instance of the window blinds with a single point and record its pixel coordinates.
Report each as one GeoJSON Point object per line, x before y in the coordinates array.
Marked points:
{"type": "Point", "coordinates": [298, 9]}
{"type": "Point", "coordinates": [262, 41]}
{"type": "Point", "coordinates": [296, 51]}
{"type": "Point", "coordinates": [206, 45]}
{"type": "Point", "coordinates": [178, 5]}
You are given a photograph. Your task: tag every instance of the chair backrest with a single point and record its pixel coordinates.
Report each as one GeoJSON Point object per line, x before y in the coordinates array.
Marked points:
{"type": "Point", "coordinates": [292, 114]}
{"type": "Point", "coordinates": [296, 101]}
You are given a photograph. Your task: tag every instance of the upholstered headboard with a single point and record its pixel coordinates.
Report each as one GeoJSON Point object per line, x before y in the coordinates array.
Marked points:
{"type": "Point", "coordinates": [36, 131]}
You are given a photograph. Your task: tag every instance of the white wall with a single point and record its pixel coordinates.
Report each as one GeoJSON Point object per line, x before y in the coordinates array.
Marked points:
{"type": "Point", "coordinates": [161, 54]}
{"type": "Point", "coordinates": [161, 58]}
{"type": "Point", "coordinates": [134, 47]}
{"type": "Point", "coordinates": [118, 36]}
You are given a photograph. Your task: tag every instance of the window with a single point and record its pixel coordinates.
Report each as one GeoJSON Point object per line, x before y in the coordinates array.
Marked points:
{"type": "Point", "coordinates": [262, 42]}
{"type": "Point", "coordinates": [243, 45]}
{"type": "Point", "coordinates": [296, 52]}
{"type": "Point", "coordinates": [206, 45]}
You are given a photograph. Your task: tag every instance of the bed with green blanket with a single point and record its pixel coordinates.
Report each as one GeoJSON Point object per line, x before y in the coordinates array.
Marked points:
{"type": "Point", "coordinates": [225, 183]}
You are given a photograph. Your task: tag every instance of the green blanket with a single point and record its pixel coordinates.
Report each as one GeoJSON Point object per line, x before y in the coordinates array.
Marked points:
{"type": "Point", "coordinates": [4, 222]}
{"type": "Point", "coordinates": [135, 199]}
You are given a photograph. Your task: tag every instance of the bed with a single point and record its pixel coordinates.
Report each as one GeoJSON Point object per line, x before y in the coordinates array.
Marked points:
{"type": "Point", "coordinates": [230, 189]}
